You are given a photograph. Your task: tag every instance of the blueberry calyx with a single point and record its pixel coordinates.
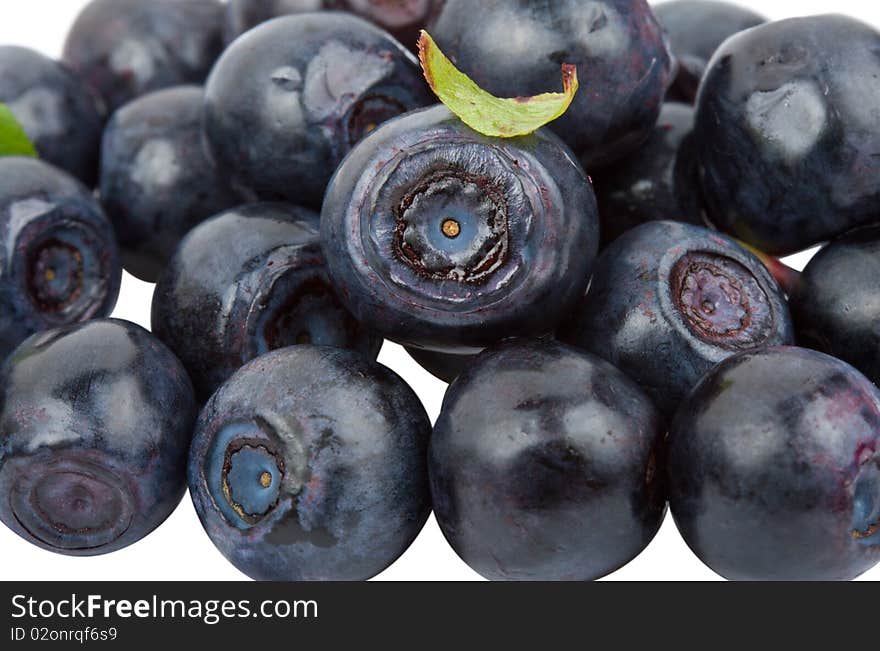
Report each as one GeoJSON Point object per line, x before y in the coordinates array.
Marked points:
{"type": "Point", "coordinates": [251, 479]}
{"type": "Point", "coordinates": [63, 270]}
{"type": "Point", "coordinates": [287, 305]}
{"type": "Point", "coordinates": [721, 301]}
{"type": "Point", "coordinates": [866, 505]}
{"type": "Point", "coordinates": [479, 223]}
{"type": "Point", "coordinates": [55, 280]}
{"type": "Point", "coordinates": [369, 113]}
{"type": "Point", "coordinates": [72, 503]}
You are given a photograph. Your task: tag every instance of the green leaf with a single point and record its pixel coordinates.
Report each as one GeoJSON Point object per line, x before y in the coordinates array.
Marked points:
{"type": "Point", "coordinates": [485, 113]}
{"type": "Point", "coordinates": [13, 139]}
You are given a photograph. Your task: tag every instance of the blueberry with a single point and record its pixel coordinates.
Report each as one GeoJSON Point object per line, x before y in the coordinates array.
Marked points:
{"type": "Point", "coordinates": [286, 102]}
{"type": "Point", "coordinates": [774, 468]}
{"type": "Point", "coordinates": [668, 301]}
{"type": "Point", "coordinates": [515, 49]}
{"type": "Point", "coordinates": [443, 366]}
{"type": "Point", "coordinates": [835, 304]}
{"type": "Point", "coordinates": [696, 29]}
{"type": "Point", "coordinates": [401, 18]}
{"type": "Point", "coordinates": [126, 48]}
{"type": "Point", "coordinates": [58, 257]}
{"type": "Point", "coordinates": [787, 135]}
{"type": "Point", "coordinates": [60, 114]}
{"type": "Point", "coordinates": [447, 240]}
{"type": "Point", "coordinates": [246, 282]}
{"type": "Point", "coordinates": [95, 423]}
{"type": "Point", "coordinates": [310, 464]}
{"type": "Point", "coordinates": [157, 178]}
{"type": "Point", "coordinates": [658, 181]}
{"type": "Point", "coordinates": [543, 465]}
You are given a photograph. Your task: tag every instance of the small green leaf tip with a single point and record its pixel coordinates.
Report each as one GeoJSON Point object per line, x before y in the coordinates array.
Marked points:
{"type": "Point", "coordinates": [13, 139]}
{"type": "Point", "coordinates": [485, 113]}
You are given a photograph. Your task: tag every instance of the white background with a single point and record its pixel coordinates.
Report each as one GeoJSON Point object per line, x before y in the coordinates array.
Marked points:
{"type": "Point", "coordinates": [179, 549]}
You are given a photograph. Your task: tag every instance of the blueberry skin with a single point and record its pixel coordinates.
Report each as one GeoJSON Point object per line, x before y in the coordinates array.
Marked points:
{"type": "Point", "coordinates": [60, 114]}
{"type": "Point", "coordinates": [58, 258]}
{"type": "Point", "coordinates": [309, 464]}
{"type": "Point", "coordinates": [524, 233]}
{"type": "Point", "coordinates": [443, 366]}
{"type": "Point", "coordinates": [515, 49]}
{"type": "Point", "coordinates": [668, 301]}
{"type": "Point", "coordinates": [157, 179]}
{"type": "Point", "coordinates": [656, 182]}
{"type": "Point", "coordinates": [126, 48]}
{"type": "Point", "coordinates": [401, 18]}
{"type": "Point", "coordinates": [835, 305]}
{"type": "Point", "coordinates": [786, 132]}
{"type": "Point", "coordinates": [696, 29]}
{"type": "Point", "coordinates": [288, 100]}
{"type": "Point", "coordinates": [248, 281]}
{"type": "Point", "coordinates": [543, 465]}
{"type": "Point", "coordinates": [789, 487]}
{"type": "Point", "coordinates": [95, 424]}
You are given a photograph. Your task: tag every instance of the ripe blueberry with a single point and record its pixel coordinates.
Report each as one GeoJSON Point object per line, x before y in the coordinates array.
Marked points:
{"type": "Point", "coordinates": [60, 114]}
{"type": "Point", "coordinates": [774, 468]}
{"type": "Point", "coordinates": [444, 239]}
{"type": "Point", "coordinates": [696, 29]}
{"type": "Point", "coordinates": [835, 304]}
{"type": "Point", "coordinates": [157, 179]}
{"type": "Point", "coordinates": [515, 49]}
{"type": "Point", "coordinates": [543, 465]}
{"type": "Point", "coordinates": [247, 282]}
{"type": "Point", "coordinates": [125, 48]}
{"type": "Point", "coordinates": [787, 134]}
{"type": "Point", "coordinates": [287, 102]}
{"type": "Point", "coordinates": [668, 301]}
{"type": "Point", "coordinates": [95, 423]}
{"type": "Point", "coordinates": [58, 258]}
{"type": "Point", "coordinates": [310, 464]}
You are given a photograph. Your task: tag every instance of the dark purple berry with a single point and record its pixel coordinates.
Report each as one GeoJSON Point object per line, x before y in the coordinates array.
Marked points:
{"type": "Point", "coordinates": [58, 258]}
{"type": "Point", "coordinates": [95, 424]}
{"type": "Point", "coordinates": [310, 464]}
{"type": "Point", "coordinates": [787, 135]}
{"type": "Point", "coordinates": [515, 49]}
{"type": "Point", "coordinates": [247, 282]}
{"type": "Point", "coordinates": [668, 301]}
{"type": "Point", "coordinates": [289, 100]}
{"type": "Point", "coordinates": [544, 465]}
{"type": "Point", "coordinates": [696, 29]}
{"type": "Point", "coordinates": [444, 239]}
{"type": "Point", "coordinates": [157, 178]}
{"type": "Point", "coordinates": [774, 468]}
{"type": "Point", "coordinates": [60, 114]}
{"type": "Point", "coordinates": [126, 48]}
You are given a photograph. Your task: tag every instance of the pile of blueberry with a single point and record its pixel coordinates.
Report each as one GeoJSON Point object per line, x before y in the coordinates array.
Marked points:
{"type": "Point", "coordinates": [616, 343]}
